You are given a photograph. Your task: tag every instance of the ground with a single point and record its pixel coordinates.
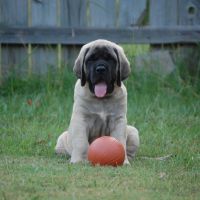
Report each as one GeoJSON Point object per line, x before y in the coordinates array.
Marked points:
{"type": "Point", "coordinates": [34, 111]}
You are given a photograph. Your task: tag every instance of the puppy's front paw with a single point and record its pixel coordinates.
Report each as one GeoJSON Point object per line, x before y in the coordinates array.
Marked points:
{"type": "Point", "coordinates": [74, 160]}
{"type": "Point", "coordinates": [78, 161]}
{"type": "Point", "coordinates": [126, 162]}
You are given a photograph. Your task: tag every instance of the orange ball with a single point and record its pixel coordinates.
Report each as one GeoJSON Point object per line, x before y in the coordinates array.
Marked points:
{"type": "Point", "coordinates": [106, 150]}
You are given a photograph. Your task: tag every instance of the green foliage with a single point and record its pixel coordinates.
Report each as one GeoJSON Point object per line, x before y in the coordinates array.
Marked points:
{"type": "Point", "coordinates": [34, 111]}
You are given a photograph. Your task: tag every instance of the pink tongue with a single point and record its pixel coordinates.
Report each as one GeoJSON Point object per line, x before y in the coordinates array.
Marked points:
{"type": "Point", "coordinates": [100, 89]}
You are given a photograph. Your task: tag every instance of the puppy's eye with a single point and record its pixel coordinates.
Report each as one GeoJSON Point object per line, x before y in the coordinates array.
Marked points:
{"type": "Point", "coordinates": [93, 58]}
{"type": "Point", "coordinates": [106, 56]}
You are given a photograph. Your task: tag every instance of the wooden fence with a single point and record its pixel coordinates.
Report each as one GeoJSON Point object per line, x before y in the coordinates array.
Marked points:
{"type": "Point", "coordinates": [38, 35]}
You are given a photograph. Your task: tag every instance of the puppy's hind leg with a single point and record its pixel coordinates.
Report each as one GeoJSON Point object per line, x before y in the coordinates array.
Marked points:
{"type": "Point", "coordinates": [61, 145]}
{"type": "Point", "coordinates": [132, 142]}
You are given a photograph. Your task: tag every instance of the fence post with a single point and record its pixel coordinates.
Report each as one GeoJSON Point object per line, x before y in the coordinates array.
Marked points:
{"type": "Point", "coordinates": [177, 13]}
{"type": "Point", "coordinates": [29, 45]}
{"type": "Point", "coordinates": [72, 17]}
{"type": "Point", "coordinates": [0, 66]}
{"type": "Point", "coordinates": [188, 56]}
{"type": "Point", "coordinates": [14, 57]}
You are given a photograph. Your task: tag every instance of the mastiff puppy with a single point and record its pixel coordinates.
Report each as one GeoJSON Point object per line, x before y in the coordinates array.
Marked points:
{"type": "Point", "coordinates": [100, 102]}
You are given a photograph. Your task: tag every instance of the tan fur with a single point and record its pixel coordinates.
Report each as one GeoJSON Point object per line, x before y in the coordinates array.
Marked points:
{"type": "Point", "coordinates": [93, 117]}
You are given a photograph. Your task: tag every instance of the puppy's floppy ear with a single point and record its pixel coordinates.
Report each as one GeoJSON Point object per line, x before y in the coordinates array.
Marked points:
{"type": "Point", "coordinates": [123, 69]}
{"type": "Point", "coordinates": [79, 66]}
{"type": "Point", "coordinates": [118, 68]}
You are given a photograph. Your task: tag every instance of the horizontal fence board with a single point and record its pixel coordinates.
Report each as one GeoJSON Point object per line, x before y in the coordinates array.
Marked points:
{"type": "Point", "coordinates": [70, 36]}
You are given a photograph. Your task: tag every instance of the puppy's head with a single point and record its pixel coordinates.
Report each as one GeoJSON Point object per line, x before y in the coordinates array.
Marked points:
{"type": "Point", "coordinates": [103, 65]}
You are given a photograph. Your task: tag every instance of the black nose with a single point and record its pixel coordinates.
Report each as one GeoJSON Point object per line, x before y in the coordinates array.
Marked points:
{"type": "Point", "coordinates": [100, 69]}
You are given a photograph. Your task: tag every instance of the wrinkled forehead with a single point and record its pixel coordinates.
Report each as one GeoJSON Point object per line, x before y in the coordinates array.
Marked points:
{"type": "Point", "coordinates": [101, 50]}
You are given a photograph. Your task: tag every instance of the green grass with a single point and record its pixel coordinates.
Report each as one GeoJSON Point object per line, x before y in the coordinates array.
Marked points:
{"type": "Point", "coordinates": [34, 111]}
